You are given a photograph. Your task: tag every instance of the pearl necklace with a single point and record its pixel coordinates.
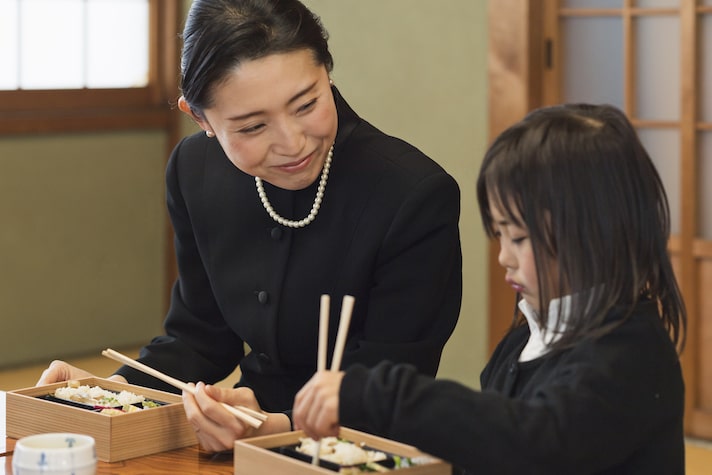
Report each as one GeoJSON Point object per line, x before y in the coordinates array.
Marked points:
{"type": "Point", "coordinates": [317, 200]}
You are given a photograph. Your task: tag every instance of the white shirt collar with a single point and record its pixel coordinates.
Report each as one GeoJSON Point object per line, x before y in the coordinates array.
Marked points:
{"type": "Point", "coordinates": [540, 339]}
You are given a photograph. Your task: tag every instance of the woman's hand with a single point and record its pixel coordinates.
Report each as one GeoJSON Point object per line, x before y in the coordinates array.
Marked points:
{"type": "Point", "coordinates": [58, 371]}
{"type": "Point", "coordinates": [316, 406]}
{"type": "Point", "coordinates": [216, 428]}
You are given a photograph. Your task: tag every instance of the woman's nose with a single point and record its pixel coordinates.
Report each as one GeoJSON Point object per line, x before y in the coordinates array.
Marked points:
{"type": "Point", "coordinates": [290, 139]}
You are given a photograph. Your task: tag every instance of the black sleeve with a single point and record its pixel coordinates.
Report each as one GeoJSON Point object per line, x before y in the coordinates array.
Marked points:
{"type": "Point", "coordinates": [616, 402]}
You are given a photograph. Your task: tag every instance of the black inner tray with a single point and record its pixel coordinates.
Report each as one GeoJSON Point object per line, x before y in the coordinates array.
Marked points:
{"type": "Point", "coordinates": [291, 451]}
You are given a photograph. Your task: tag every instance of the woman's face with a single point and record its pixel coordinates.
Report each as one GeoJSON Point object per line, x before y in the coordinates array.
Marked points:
{"type": "Point", "coordinates": [275, 118]}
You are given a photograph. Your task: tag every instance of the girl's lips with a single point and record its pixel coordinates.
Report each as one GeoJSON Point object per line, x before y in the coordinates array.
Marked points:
{"type": "Point", "coordinates": [515, 286]}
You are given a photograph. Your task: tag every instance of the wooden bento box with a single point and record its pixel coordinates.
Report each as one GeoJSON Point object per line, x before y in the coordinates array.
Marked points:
{"type": "Point", "coordinates": [260, 455]}
{"type": "Point", "coordinates": [118, 437]}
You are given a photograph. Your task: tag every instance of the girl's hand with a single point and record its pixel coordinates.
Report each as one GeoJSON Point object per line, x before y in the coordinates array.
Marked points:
{"type": "Point", "coordinates": [216, 428]}
{"type": "Point", "coordinates": [316, 406]}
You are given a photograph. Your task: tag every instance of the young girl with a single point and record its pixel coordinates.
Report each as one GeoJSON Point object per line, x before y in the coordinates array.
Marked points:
{"type": "Point", "coordinates": [587, 380]}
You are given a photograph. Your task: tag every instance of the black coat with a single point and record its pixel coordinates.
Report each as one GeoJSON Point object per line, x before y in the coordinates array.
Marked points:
{"type": "Point", "coordinates": [610, 406]}
{"type": "Point", "coordinates": [386, 233]}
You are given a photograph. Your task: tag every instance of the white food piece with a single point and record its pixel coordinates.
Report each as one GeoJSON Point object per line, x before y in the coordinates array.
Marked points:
{"type": "Point", "coordinates": [340, 451]}
{"type": "Point", "coordinates": [97, 396]}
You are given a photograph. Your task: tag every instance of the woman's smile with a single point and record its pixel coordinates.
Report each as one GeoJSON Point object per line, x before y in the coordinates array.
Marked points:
{"type": "Point", "coordinates": [297, 165]}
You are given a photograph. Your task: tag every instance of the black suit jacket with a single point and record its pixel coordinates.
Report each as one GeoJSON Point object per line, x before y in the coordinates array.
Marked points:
{"type": "Point", "coordinates": [386, 233]}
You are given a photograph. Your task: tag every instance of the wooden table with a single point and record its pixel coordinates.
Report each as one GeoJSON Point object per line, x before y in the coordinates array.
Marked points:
{"type": "Point", "coordinates": [188, 460]}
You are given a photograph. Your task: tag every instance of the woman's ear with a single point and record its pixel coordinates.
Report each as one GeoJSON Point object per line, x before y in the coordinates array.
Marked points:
{"type": "Point", "coordinates": [200, 120]}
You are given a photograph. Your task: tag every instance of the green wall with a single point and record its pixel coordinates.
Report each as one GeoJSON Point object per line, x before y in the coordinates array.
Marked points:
{"type": "Point", "coordinates": [417, 70]}
{"type": "Point", "coordinates": [81, 243]}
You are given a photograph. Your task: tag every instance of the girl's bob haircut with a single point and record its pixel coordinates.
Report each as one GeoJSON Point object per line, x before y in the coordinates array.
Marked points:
{"type": "Point", "coordinates": [579, 179]}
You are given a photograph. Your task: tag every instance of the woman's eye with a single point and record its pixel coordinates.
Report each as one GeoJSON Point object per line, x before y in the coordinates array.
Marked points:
{"type": "Point", "coordinates": [307, 106]}
{"type": "Point", "coordinates": [252, 129]}
{"type": "Point", "coordinates": [519, 240]}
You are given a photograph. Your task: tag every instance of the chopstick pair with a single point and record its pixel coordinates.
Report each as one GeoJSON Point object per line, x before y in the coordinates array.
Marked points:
{"type": "Point", "coordinates": [347, 306]}
{"type": "Point", "coordinates": [245, 414]}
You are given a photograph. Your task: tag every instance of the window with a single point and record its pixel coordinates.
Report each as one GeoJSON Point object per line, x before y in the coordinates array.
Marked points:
{"type": "Point", "coordinates": [74, 65]}
{"type": "Point", "coordinates": [88, 54]}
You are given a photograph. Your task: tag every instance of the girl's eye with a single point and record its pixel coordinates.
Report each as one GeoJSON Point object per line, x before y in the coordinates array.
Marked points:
{"type": "Point", "coordinates": [309, 105]}
{"type": "Point", "coordinates": [519, 240]}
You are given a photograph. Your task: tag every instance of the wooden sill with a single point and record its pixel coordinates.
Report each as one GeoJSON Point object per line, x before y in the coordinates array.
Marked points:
{"type": "Point", "coordinates": [86, 120]}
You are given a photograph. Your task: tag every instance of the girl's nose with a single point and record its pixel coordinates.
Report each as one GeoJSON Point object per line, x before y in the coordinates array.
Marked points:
{"type": "Point", "coordinates": [505, 257]}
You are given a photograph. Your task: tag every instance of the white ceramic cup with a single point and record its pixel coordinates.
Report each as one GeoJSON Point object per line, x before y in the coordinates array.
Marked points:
{"type": "Point", "coordinates": [54, 454]}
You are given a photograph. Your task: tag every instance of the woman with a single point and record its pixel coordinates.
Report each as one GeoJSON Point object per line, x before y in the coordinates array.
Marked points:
{"type": "Point", "coordinates": [288, 195]}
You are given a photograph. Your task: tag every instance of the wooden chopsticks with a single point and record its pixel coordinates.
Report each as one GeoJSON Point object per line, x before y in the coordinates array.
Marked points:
{"type": "Point", "coordinates": [347, 306]}
{"type": "Point", "coordinates": [245, 414]}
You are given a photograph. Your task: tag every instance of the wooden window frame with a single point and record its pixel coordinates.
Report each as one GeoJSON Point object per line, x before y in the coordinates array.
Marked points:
{"type": "Point", "coordinates": [85, 110]}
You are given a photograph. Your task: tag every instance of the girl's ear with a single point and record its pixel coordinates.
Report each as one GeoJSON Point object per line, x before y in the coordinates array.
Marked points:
{"type": "Point", "coordinates": [185, 108]}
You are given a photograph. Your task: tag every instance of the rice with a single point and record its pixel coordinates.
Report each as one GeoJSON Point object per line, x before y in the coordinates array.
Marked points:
{"type": "Point", "coordinates": [97, 396]}
{"type": "Point", "coordinates": [339, 451]}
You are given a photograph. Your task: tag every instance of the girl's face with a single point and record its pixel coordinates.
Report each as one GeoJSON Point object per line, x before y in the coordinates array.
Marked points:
{"type": "Point", "coordinates": [275, 118]}
{"type": "Point", "coordinates": [516, 256]}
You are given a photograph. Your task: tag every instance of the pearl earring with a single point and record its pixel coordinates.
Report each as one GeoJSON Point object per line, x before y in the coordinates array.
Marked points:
{"type": "Point", "coordinates": [209, 134]}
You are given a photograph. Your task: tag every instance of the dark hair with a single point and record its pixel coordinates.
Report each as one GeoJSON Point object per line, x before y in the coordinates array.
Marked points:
{"type": "Point", "coordinates": [221, 34]}
{"type": "Point", "coordinates": [577, 176]}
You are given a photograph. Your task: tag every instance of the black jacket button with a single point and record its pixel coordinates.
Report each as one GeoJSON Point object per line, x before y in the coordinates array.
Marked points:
{"type": "Point", "coordinates": [262, 297]}
{"type": "Point", "coordinates": [276, 233]}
